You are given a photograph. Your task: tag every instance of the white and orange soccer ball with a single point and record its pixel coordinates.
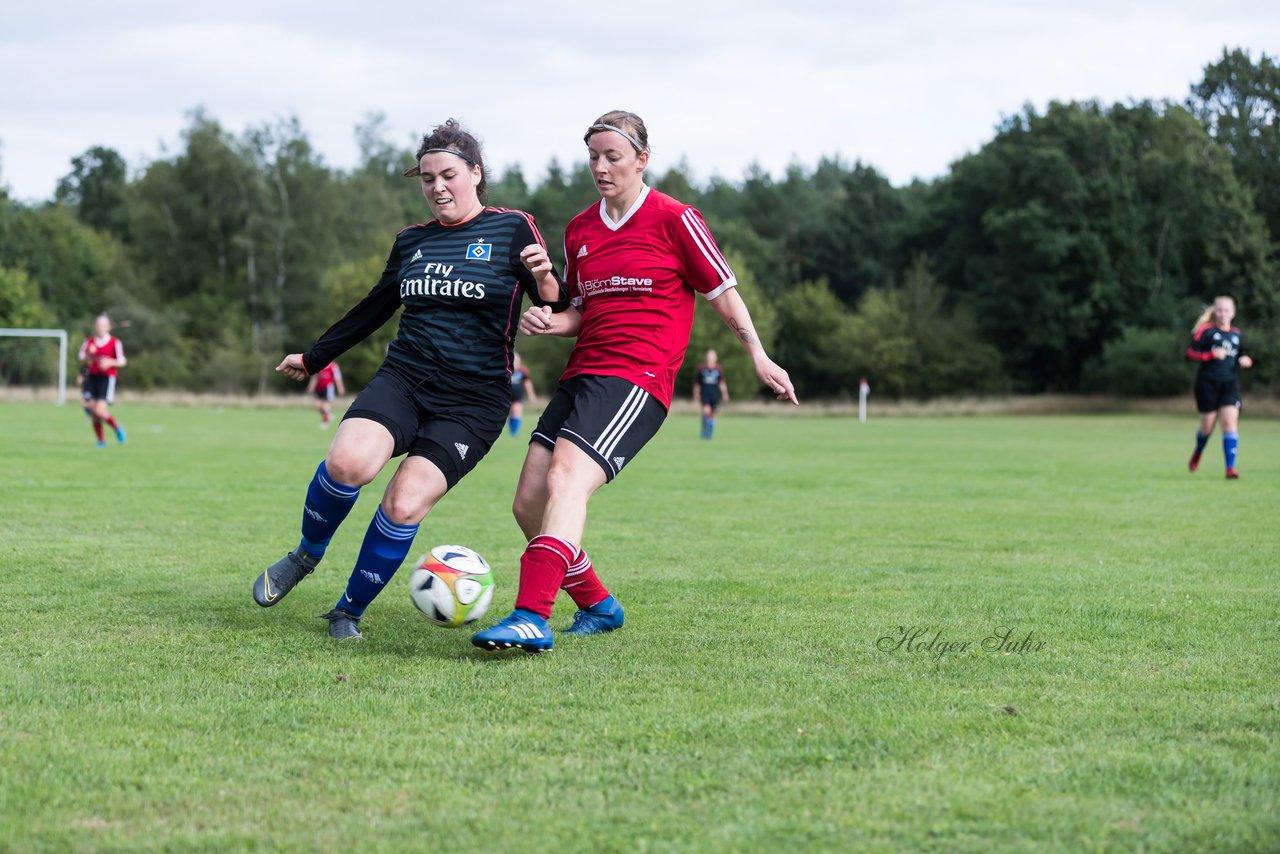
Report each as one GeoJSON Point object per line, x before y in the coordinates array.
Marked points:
{"type": "Point", "coordinates": [451, 586]}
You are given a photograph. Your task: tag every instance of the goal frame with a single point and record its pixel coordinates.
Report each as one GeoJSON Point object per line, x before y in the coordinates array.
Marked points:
{"type": "Point", "coordinates": [61, 335]}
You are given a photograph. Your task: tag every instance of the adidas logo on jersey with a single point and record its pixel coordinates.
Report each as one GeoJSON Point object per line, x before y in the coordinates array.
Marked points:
{"type": "Point", "coordinates": [462, 450]}
{"type": "Point", "coordinates": [618, 462]}
{"type": "Point", "coordinates": [582, 252]}
{"type": "Point", "coordinates": [416, 256]}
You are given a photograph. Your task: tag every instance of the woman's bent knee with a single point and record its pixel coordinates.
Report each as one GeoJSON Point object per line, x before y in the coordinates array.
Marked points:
{"type": "Point", "coordinates": [352, 469]}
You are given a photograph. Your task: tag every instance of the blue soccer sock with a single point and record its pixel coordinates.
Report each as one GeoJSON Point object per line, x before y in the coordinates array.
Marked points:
{"type": "Point", "coordinates": [328, 503]}
{"type": "Point", "coordinates": [515, 425]}
{"type": "Point", "coordinates": [1230, 444]}
{"type": "Point", "coordinates": [703, 433]}
{"type": "Point", "coordinates": [1202, 439]}
{"type": "Point", "coordinates": [385, 547]}
{"type": "Point", "coordinates": [711, 427]}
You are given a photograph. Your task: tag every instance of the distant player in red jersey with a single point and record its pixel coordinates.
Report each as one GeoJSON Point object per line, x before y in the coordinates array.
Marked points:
{"type": "Point", "coordinates": [634, 266]}
{"type": "Point", "coordinates": [1219, 348]}
{"type": "Point", "coordinates": [324, 384]}
{"type": "Point", "coordinates": [101, 355]}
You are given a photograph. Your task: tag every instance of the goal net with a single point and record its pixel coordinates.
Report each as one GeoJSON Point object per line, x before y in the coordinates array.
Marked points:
{"type": "Point", "coordinates": [61, 335]}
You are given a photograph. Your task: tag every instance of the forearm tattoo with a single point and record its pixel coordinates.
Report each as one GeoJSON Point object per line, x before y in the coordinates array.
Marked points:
{"type": "Point", "coordinates": [744, 333]}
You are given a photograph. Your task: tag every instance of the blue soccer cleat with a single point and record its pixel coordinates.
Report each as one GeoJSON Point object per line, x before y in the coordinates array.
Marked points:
{"type": "Point", "coordinates": [120, 435]}
{"type": "Point", "coordinates": [521, 629]}
{"type": "Point", "coordinates": [101, 444]}
{"type": "Point", "coordinates": [604, 616]}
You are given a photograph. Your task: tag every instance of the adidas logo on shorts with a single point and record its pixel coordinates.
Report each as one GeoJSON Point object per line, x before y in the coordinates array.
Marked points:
{"type": "Point", "coordinates": [462, 450]}
{"type": "Point", "coordinates": [618, 462]}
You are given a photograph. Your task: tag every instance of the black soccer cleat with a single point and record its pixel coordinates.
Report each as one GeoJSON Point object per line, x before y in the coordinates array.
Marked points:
{"type": "Point", "coordinates": [343, 626]}
{"type": "Point", "coordinates": [279, 578]}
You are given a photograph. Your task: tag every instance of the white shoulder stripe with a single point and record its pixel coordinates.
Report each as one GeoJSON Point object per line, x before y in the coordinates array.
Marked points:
{"type": "Point", "coordinates": [697, 224]}
{"type": "Point", "coordinates": [703, 238]}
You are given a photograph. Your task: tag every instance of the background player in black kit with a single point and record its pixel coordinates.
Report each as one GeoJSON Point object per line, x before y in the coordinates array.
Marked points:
{"type": "Point", "coordinates": [521, 390]}
{"type": "Point", "coordinates": [441, 396]}
{"type": "Point", "coordinates": [1219, 349]}
{"type": "Point", "coordinates": [710, 389]}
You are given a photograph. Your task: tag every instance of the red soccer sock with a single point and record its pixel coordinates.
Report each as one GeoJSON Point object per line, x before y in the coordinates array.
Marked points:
{"type": "Point", "coordinates": [542, 568]}
{"type": "Point", "coordinates": [111, 422]}
{"type": "Point", "coordinates": [582, 583]}
{"type": "Point", "coordinates": [97, 428]}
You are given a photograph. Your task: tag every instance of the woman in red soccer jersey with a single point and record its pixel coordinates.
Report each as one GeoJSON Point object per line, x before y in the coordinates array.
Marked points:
{"type": "Point", "coordinates": [324, 385]}
{"type": "Point", "coordinates": [102, 354]}
{"type": "Point", "coordinates": [634, 264]}
{"type": "Point", "coordinates": [1219, 349]}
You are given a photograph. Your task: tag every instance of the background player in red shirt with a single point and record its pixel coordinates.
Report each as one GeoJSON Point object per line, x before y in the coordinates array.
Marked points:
{"type": "Point", "coordinates": [1219, 348]}
{"type": "Point", "coordinates": [323, 385]}
{"type": "Point", "coordinates": [102, 354]}
{"type": "Point", "coordinates": [634, 264]}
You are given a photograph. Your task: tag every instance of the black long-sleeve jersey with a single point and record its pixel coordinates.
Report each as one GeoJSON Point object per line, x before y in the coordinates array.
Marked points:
{"type": "Point", "coordinates": [1204, 340]}
{"type": "Point", "coordinates": [461, 288]}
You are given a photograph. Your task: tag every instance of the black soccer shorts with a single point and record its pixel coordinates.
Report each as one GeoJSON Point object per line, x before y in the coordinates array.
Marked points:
{"type": "Point", "coordinates": [100, 387]}
{"type": "Point", "coordinates": [453, 426]}
{"type": "Point", "coordinates": [1212, 394]}
{"type": "Point", "coordinates": [607, 417]}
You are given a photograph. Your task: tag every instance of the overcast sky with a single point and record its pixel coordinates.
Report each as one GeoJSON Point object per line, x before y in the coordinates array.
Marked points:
{"type": "Point", "coordinates": [905, 86]}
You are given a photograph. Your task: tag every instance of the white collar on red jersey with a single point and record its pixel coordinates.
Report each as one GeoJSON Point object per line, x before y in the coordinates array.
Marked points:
{"type": "Point", "coordinates": [635, 206]}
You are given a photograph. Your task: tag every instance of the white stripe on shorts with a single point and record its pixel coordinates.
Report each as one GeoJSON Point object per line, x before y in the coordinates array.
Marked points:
{"type": "Point", "coordinates": [622, 421]}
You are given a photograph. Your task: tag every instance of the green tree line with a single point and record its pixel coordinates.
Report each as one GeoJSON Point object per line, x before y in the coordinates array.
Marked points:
{"type": "Point", "coordinates": [1071, 253]}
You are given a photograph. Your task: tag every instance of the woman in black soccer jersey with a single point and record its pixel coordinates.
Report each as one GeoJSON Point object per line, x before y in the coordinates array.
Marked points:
{"type": "Point", "coordinates": [1219, 349]}
{"type": "Point", "coordinates": [442, 394]}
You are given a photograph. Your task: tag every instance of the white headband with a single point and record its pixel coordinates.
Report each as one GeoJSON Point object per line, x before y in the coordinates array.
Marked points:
{"type": "Point", "coordinates": [599, 126]}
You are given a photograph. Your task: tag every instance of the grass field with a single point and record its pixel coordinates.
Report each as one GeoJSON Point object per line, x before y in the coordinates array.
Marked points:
{"type": "Point", "coordinates": [758, 698]}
